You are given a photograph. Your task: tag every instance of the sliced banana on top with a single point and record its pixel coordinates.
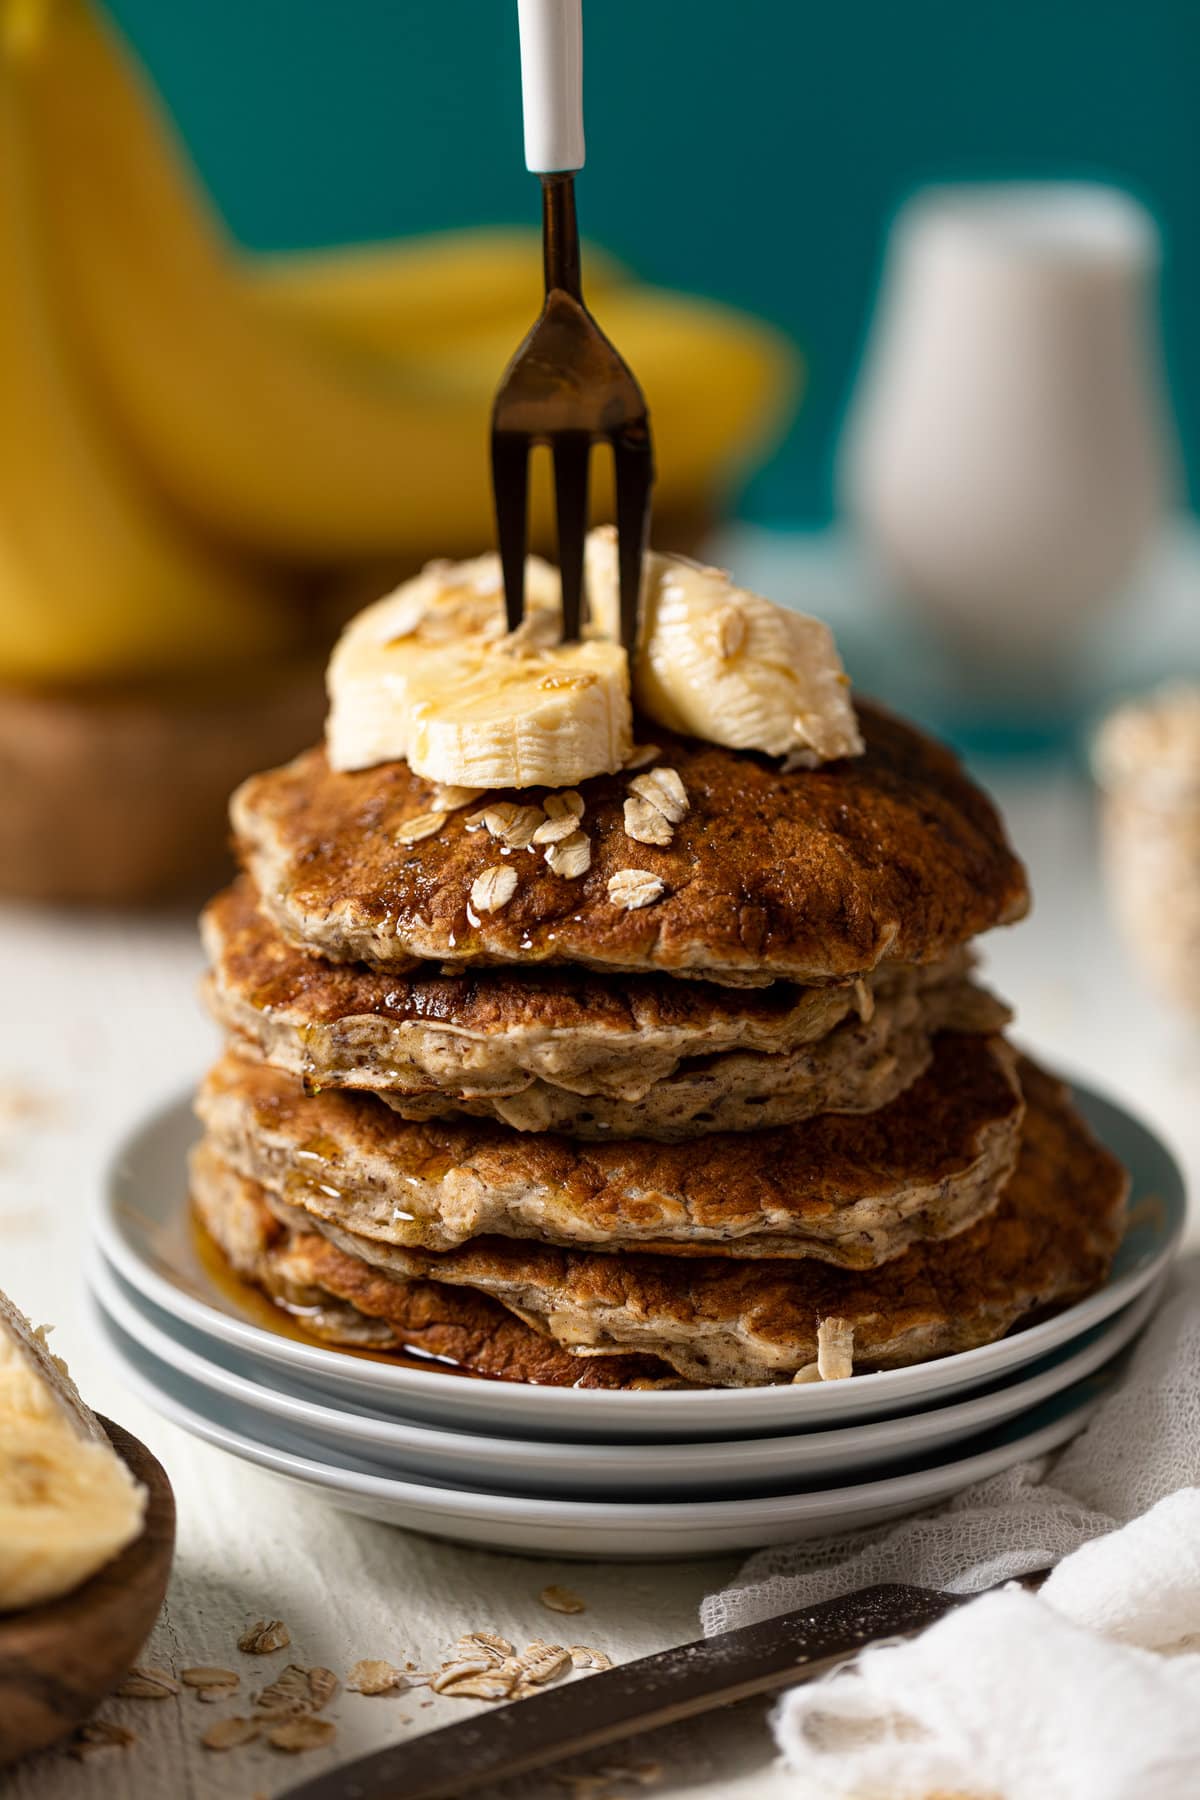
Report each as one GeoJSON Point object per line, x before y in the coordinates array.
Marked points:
{"type": "Point", "coordinates": [68, 1503]}
{"type": "Point", "coordinates": [717, 662]}
{"type": "Point", "coordinates": [524, 718]}
{"type": "Point", "coordinates": [431, 675]}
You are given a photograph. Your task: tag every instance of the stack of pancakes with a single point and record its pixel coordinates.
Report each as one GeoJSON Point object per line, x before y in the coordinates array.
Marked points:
{"type": "Point", "coordinates": [728, 1108]}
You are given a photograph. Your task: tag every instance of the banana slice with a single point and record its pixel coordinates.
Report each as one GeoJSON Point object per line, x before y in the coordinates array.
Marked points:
{"type": "Point", "coordinates": [717, 662]}
{"type": "Point", "coordinates": [429, 674]}
{"type": "Point", "coordinates": [68, 1504]}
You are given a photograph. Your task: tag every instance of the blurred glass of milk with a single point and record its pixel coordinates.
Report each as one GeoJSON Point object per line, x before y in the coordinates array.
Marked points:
{"type": "Point", "coordinates": [1007, 452]}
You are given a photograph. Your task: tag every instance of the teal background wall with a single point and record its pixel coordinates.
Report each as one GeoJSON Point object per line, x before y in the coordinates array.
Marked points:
{"type": "Point", "coordinates": [749, 149]}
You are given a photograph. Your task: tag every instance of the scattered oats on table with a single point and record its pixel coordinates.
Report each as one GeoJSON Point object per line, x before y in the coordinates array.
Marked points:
{"type": "Point", "coordinates": [453, 1672]}
{"type": "Point", "coordinates": [290, 1692]}
{"type": "Point", "coordinates": [206, 1678]}
{"type": "Point", "coordinates": [295, 1736]}
{"type": "Point", "coordinates": [323, 1684]}
{"type": "Point", "coordinates": [231, 1734]}
{"type": "Point", "coordinates": [561, 1599]}
{"type": "Point", "coordinates": [542, 1662]}
{"type": "Point", "coordinates": [494, 1684]}
{"type": "Point", "coordinates": [98, 1735]}
{"type": "Point", "coordinates": [143, 1683]}
{"type": "Point", "coordinates": [487, 1642]}
{"type": "Point", "coordinates": [584, 1657]}
{"type": "Point", "coordinates": [375, 1676]}
{"type": "Point", "coordinates": [264, 1636]}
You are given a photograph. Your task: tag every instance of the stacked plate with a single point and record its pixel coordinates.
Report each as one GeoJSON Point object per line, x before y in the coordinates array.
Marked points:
{"type": "Point", "coordinates": [593, 1472]}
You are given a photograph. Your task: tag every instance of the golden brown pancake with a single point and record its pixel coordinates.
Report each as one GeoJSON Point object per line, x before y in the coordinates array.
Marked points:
{"type": "Point", "coordinates": [814, 876]}
{"type": "Point", "coordinates": [343, 1300]}
{"type": "Point", "coordinates": [562, 1049]}
{"type": "Point", "coordinates": [852, 1191]}
{"type": "Point", "coordinates": [1049, 1242]}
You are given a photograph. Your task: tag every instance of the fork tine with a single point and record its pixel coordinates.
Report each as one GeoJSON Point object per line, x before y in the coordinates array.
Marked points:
{"type": "Point", "coordinates": [571, 452]}
{"type": "Point", "coordinates": [634, 464]}
{"type": "Point", "coordinates": [510, 489]}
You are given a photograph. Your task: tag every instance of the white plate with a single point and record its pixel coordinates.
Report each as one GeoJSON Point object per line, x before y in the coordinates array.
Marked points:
{"type": "Point", "coordinates": [141, 1225]}
{"type": "Point", "coordinates": [597, 1470]}
{"type": "Point", "coordinates": [642, 1531]}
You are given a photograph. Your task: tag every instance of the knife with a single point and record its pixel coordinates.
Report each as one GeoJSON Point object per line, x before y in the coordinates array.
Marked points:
{"type": "Point", "coordinates": [637, 1696]}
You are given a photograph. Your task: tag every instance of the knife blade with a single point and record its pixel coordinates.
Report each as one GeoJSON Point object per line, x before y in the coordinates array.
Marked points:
{"type": "Point", "coordinates": [634, 1697]}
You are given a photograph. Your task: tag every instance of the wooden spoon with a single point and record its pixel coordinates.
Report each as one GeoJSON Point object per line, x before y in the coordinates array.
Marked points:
{"type": "Point", "coordinates": [58, 1661]}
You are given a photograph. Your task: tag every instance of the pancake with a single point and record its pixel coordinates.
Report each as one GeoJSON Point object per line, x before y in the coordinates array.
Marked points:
{"type": "Point", "coordinates": [344, 1301]}
{"type": "Point", "coordinates": [569, 1050]}
{"type": "Point", "coordinates": [852, 1191]}
{"type": "Point", "coordinates": [1049, 1242]}
{"type": "Point", "coordinates": [813, 876]}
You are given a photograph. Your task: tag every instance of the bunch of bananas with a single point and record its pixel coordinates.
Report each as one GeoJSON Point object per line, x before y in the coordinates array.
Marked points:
{"type": "Point", "coordinates": [193, 437]}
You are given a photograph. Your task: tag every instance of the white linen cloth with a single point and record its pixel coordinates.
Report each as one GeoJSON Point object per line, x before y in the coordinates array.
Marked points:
{"type": "Point", "coordinates": [1089, 1690]}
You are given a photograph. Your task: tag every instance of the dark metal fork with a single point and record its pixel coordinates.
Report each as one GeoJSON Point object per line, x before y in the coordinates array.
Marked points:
{"type": "Point", "coordinates": [566, 387]}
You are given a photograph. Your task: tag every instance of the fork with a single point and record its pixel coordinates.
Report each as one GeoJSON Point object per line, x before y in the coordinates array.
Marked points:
{"type": "Point", "coordinates": [566, 386]}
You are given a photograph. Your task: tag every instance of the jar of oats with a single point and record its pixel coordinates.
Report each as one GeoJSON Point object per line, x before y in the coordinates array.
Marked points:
{"type": "Point", "coordinates": [1146, 758]}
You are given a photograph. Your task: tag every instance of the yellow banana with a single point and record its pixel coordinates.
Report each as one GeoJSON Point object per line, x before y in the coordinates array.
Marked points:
{"type": "Point", "coordinates": [719, 385]}
{"type": "Point", "coordinates": [97, 578]}
{"type": "Point", "coordinates": [246, 416]}
{"type": "Point", "coordinates": [389, 300]}
{"type": "Point", "coordinates": [255, 430]}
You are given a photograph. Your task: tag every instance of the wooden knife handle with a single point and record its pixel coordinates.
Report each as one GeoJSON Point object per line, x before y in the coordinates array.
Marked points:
{"type": "Point", "coordinates": [637, 1696]}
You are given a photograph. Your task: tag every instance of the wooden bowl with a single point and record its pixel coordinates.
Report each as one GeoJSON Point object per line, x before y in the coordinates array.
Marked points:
{"type": "Point", "coordinates": [58, 1661]}
{"type": "Point", "coordinates": [118, 796]}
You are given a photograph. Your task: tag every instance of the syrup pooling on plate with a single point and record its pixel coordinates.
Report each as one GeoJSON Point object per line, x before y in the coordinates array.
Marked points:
{"type": "Point", "coordinates": [287, 1320]}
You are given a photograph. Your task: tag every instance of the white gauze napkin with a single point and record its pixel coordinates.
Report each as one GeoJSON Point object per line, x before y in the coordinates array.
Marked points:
{"type": "Point", "coordinates": [1089, 1690]}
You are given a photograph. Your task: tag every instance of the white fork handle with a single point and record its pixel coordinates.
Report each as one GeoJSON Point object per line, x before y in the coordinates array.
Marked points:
{"type": "Point", "coordinates": [552, 84]}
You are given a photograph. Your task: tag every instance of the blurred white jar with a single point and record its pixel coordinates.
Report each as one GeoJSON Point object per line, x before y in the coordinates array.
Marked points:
{"type": "Point", "coordinates": [1007, 452]}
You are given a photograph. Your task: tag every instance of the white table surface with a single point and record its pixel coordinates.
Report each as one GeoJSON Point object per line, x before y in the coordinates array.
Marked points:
{"type": "Point", "coordinates": [100, 1022]}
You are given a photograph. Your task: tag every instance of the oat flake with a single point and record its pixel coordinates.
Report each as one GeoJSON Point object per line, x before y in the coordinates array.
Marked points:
{"type": "Point", "coordinates": [664, 789]}
{"type": "Point", "coordinates": [835, 1349]}
{"type": "Point", "coordinates": [147, 1684]}
{"type": "Point", "coordinates": [295, 1736]}
{"type": "Point", "coordinates": [98, 1735]}
{"type": "Point", "coordinates": [205, 1675]}
{"type": "Point", "coordinates": [561, 1600]}
{"type": "Point", "coordinates": [374, 1676]}
{"type": "Point", "coordinates": [566, 805]}
{"type": "Point", "coordinates": [422, 825]}
{"type": "Point", "coordinates": [556, 828]}
{"type": "Point", "coordinates": [634, 888]}
{"type": "Point", "coordinates": [645, 824]}
{"type": "Point", "coordinates": [229, 1734]}
{"type": "Point", "coordinates": [572, 858]}
{"type": "Point", "coordinates": [264, 1636]}
{"type": "Point", "coordinates": [493, 889]}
